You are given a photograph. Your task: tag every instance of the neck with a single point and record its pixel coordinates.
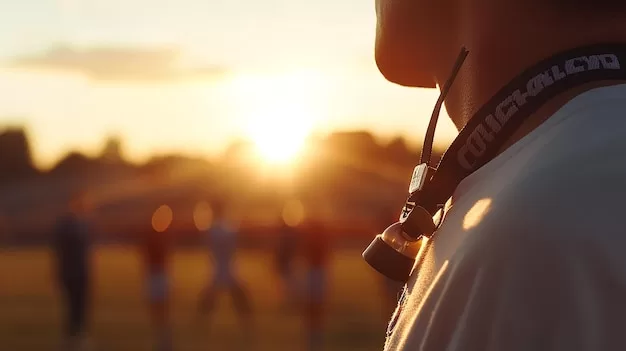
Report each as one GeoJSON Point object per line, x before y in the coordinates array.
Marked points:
{"type": "Point", "coordinates": [490, 66]}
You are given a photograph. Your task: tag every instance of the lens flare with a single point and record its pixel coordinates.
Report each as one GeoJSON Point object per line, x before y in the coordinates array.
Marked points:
{"type": "Point", "coordinates": [162, 218]}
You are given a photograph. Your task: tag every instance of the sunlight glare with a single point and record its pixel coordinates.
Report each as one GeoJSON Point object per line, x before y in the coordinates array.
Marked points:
{"type": "Point", "coordinates": [280, 111]}
{"type": "Point", "coordinates": [476, 213]}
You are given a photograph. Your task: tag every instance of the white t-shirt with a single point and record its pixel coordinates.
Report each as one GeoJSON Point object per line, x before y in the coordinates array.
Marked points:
{"type": "Point", "coordinates": [532, 252]}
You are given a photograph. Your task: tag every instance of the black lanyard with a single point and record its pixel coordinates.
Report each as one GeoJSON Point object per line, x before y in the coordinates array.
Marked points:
{"type": "Point", "coordinates": [487, 131]}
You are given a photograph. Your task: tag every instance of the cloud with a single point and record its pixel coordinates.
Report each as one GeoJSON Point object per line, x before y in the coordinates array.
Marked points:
{"type": "Point", "coordinates": [119, 64]}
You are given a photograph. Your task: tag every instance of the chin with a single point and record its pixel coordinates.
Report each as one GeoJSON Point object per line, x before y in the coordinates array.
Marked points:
{"type": "Point", "coordinates": [403, 74]}
{"type": "Point", "coordinates": [402, 49]}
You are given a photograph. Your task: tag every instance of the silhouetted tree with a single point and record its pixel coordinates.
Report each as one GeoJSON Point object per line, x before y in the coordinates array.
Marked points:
{"type": "Point", "coordinates": [398, 152]}
{"type": "Point", "coordinates": [356, 143]}
{"type": "Point", "coordinates": [112, 152]}
{"type": "Point", "coordinates": [239, 151]}
{"type": "Point", "coordinates": [76, 163]}
{"type": "Point", "coordinates": [15, 156]}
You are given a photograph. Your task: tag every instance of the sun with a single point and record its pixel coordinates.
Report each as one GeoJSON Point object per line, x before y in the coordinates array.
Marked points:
{"type": "Point", "coordinates": [274, 147]}
{"type": "Point", "coordinates": [280, 112]}
{"type": "Point", "coordinates": [279, 131]}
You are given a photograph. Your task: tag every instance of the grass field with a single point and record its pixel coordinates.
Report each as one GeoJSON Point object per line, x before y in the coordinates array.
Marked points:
{"type": "Point", "coordinates": [30, 312]}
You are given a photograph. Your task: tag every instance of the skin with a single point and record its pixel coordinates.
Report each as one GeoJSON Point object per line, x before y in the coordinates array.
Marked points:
{"type": "Point", "coordinates": [418, 40]}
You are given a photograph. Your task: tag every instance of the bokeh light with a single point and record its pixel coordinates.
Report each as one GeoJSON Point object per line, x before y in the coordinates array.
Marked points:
{"type": "Point", "coordinates": [293, 213]}
{"type": "Point", "coordinates": [202, 215]}
{"type": "Point", "coordinates": [162, 218]}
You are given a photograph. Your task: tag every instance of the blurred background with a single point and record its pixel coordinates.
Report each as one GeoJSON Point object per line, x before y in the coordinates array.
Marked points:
{"type": "Point", "coordinates": [230, 160]}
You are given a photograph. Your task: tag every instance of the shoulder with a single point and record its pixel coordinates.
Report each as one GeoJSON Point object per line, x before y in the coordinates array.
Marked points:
{"type": "Point", "coordinates": [559, 197]}
{"type": "Point", "coordinates": [529, 231]}
{"type": "Point", "coordinates": [570, 171]}
{"type": "Point", "coordinates": [560, 192]}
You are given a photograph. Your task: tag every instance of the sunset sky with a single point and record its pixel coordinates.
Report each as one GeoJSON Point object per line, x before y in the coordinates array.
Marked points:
{"type": "Point", "coordinates": [191, 75]}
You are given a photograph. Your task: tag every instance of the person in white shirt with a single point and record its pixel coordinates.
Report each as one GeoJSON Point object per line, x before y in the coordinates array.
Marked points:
{"type": "Point", "coordinates": [222, 240]}
{"type": "Point", "coordinates": [530, 254]}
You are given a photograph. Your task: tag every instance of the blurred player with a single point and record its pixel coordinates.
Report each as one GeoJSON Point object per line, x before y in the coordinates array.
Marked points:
{"type": "Point", "coordinates": [72, 244]}
{"type": "Point", "coordinates": [317, 252]}
{"type": "Point", "coordinates": [222, 237]}
{"type": "Point", "coordinates": [156, 247]}
{"type": "Point", "coordinates": [284, 259]}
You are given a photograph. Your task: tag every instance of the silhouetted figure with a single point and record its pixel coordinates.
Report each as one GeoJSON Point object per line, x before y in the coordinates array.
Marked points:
{"type": "Point", "coordinates": [222, 238]}
{"type": "Point", "coordinates": [317, 254]}
{"type": "Point", "coordinates": [72, 243]}
{"type": "Point", "coordinates": [284, 260]}
{"type": "Point", "coordinates": [156, 246]}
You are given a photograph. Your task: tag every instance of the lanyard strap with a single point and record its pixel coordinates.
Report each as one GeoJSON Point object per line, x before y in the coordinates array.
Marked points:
{"type": "Point", "coordinates": [487, 131]}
